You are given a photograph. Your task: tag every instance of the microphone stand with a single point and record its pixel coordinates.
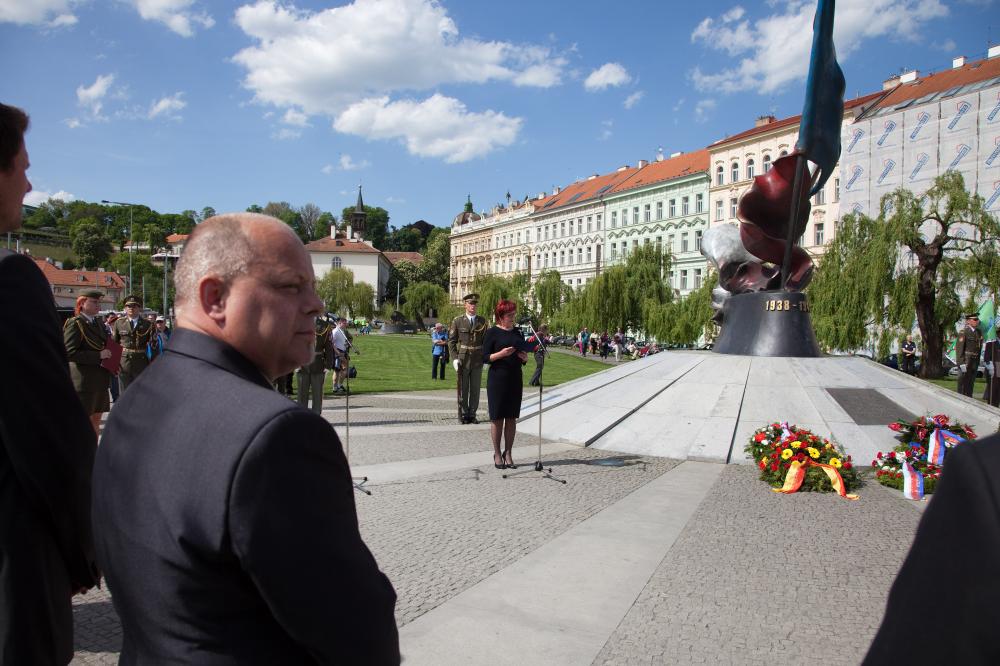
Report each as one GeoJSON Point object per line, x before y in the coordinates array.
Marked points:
{"type": "Point", "coordinates": [546, 473]}
{"type": "Point", "coordinates": [358, 481]}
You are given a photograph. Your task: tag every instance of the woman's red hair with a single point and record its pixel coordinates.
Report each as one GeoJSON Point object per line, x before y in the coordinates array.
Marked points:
{"type": "Point", "coordinates": [504, 307]}
{"type": "Point", "coordinates": [80, 300]}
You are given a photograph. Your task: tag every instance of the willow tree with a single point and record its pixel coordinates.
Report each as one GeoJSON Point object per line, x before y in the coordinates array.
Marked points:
{"type": "Point", "coordinates": [550, 293]}
{"type": "Point", "coordinates": [920, 251]}
{"type": "Point", "coordinates": [492, 288]}
{"type": "Point", "coordinates": [421, 298]}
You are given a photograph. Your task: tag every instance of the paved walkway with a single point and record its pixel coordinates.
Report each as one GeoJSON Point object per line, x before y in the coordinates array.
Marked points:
{"type": "Point", "coordinates": [636, 559]}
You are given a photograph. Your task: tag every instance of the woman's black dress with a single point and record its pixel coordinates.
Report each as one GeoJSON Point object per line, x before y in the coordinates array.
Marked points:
{"type": "Point", "coordinates": [503, 383]}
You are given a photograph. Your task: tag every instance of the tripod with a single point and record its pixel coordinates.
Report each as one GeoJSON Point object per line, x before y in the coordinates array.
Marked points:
{"type": "Point", "coordinates": [546, 473]}
{"type": "Point", "coordinates": [358, 481]}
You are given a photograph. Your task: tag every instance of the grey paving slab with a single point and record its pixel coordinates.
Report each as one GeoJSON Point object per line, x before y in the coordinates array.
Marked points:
{"type": "Point", "coordinates": [768, 579]}
{"type": "Point", "coordinates": [553, 606]}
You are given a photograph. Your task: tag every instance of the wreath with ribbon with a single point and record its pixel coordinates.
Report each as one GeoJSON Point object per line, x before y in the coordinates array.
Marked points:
{"type": "Point", "coordinates": [791, 458]}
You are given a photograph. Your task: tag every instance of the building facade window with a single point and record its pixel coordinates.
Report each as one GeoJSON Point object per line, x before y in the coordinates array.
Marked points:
{"type": "Point", "coordinates": [646, 214]}
{"type": "Point", "coordinates": [673, 208]}
{"type": "Point", "coordinates": [697, 278]}
{"type": "Point", "coordinates": [614, 219]}
{"type": "Point", "coordinates": [670, 243]}
{"type": "Point", "coordinates": [719, 205]}
{"type": "Point", "coordinates": [635, 215]}
{"type": "Point", "coordinates": [659, 210]}
{"type": "Point", "coordinates": [732, 207]}
{"type": "Point", "coordinates": [562, 229]}
{"type": "Point", "coordinates": [598, 221]}
{"type": "Point", "coordinates": [783, 153]}
{"type": "Point", "coordinates": [820, 197]}
{"type": "Point", "coordinates": [697, 241]}
{"type": "Point", "coordinates": [819, 233]}
{"type": "Point", "coordinates": [614, 250]}
{"type": "Point", "coordinates": [836, 190]}
{"type": "Point", "coordinates": [589, 259]}
{"type": "Point", "coordinates": [684, 242]}
{"type": "Point", "coordinates": [750, 170]}
{"type": "Point", "coordinates": [571, 257]}
{"type": "Point", "coordinates": [720, 175]}
{"type": "Point", "coordinates": [699, 203]}
{"type": "Point", "coordinates": [684, 280]}
{"type": "Point", "coordinates": [562, 257]}
{"type": "Point", "coordinates": [767, 163]}
{"type": "Point", "coordinates": [590, 223]}
{"type": "Point", "coordinates": [579, 255]}
{"type": "Point", "coordinates": [336, 262]}
{"type": "Point", "coordinates": [685, 208]}
{"type": "Point", "coordinates": [735, 172]}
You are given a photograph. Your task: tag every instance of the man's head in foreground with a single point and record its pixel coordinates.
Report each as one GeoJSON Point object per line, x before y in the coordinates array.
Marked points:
{"type": "Point", "coordinates": [14, 183]}
{"type": "Point", "coordinates": [246, 280]}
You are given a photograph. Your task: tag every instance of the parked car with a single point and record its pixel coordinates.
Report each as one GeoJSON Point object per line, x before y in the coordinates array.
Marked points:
{"type": "Point", "coordinates": [980, 372]}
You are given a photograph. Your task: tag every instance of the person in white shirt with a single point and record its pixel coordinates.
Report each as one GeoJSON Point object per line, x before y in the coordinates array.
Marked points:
{"type": "Point", "coordinates": [341, 344]}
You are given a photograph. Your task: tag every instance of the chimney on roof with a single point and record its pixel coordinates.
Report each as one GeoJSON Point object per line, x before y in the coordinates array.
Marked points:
{"type": "Point", "coordinates": [641, 163]}
{"type": "Point", "coordinates": [592, 176]}
{"type": "Point", "coordinates": [555, 190]}
{"type": "Point", "coordinates": [333, 231]}
{"type": "Point", "coordinates": [659, 154]}
{"type": "Point", "coordinates": [350, 233]}
{"type": "Point", "coordinates": [624, 167]}
{"type": "Point", "coordinates": [677, 154]}
{"type": "Point", "coordinates": [541, 195]}
{"type": "Point", "coordinates": [957, 62]}
{"type": "Point", "coordinates": [908, 77]}
{"type": "Point", "coordinates": [766, 119]}
{"type": "Point", "coordinates": [890, 83]}
{"type": "Point", "coordinates": [993, 52]}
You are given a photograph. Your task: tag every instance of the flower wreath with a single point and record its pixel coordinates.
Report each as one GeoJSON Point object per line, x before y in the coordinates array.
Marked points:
{"type": "Point", "coordinates": [787, 454]}
{"type": "Point", "coordinates": [919, 451]}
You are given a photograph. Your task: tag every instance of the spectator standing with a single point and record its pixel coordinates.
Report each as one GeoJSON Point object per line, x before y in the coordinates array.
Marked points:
{"type": "Point", "coordinates": [158, 342]}
{"type": "Point", "coordinates": [46, 447]}
{"type": "Point", "coordinates": [224, 513]}
{"type": "Point", "coordinates": [86, 340]}
{"type": "Point", "coordinates": [439, 350]}
{"type": "Point", "coordinates": [312, 375]}
{"type": "Point", "coordinates": [342, 359]}
{"type": "Point", "coordinates": [908, 353]}
{"type": "Point", "coordinates": [584, 341]}
{"type": "Point", "coordinates": [619, 340]}
{"type": "Point", "coordinates": [605, 344]}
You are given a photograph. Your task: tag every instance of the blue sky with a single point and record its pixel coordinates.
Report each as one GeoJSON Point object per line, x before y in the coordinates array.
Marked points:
{"type": "Point", "coordinates": [182, 104]}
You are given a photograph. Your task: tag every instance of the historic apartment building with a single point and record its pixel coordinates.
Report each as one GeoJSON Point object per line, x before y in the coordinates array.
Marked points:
{"type": "Point", "coordinates": [736, 160]}
{"type": "Point", "coordinates": [924, 127]}
{"type": "Point", "coordinates": [666, 203]}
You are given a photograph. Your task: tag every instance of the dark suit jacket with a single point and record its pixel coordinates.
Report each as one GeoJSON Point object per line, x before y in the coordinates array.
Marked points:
{"type": "Point", "coordinates": [225, 521]}
{"type": "Point", "coordinates": [46, 455]}
{"type": "Point", "coordinates": [943, 607]}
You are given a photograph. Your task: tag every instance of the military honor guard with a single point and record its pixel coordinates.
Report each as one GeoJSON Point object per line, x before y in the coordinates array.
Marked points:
{"type": "Point", "coordinates": [313, 374]}
{"type": "Point", "coordinates": [133, 333]}
{"type": "Point", "coordinates": [86, 339]}
{"type": "Point", "coordinates": [967, 351]}
{"type": "Point", "coordinates": [465, 344]}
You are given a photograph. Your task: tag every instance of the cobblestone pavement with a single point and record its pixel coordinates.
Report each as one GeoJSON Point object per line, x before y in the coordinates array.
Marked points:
{"type": "Point", "coordinates": [755, 577]}
{"type": "Point", "coordinates": [437, 535]}
{"type": "Point", "coordinates": [762, 578]}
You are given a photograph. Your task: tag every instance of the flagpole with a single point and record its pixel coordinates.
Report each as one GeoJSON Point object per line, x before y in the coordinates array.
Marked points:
{"type": "Point", "coordinates": [800, 168]}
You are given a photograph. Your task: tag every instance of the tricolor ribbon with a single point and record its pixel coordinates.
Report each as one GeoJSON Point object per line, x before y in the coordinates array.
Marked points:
{"type": "Point", "coordinates": [940, 440]}
{"type": "Point", "coordinates": [913, 482]}
{"type": "Point", "coordinates": [797, 473]}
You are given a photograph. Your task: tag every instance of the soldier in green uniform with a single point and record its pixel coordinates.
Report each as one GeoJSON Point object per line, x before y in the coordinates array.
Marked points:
{"type": "Point", "coordinates": [85, 338]}
{"type": "Point", "coordinates": [133, 333]}
{"type": "Point", "coordinates": [312, 375]}
{"type": "Point", "coordinates": [967, 351]}
{"type": "Point", "coordinates": [465, 344]}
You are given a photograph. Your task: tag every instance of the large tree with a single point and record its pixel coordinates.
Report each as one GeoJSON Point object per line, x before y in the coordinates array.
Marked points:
{"type": "Point", "coordinates": [925, 251]}
{"type": "Point", "coordinates": [549, 293]}
{"type": "Point", "coordinates": [376, 224]}
{"type": "Point", "coordinates": [421, 299]}
{"type": "Point", "coordinates": [90, 243]}
{"type": "Point", "coordinates": [334, 289]}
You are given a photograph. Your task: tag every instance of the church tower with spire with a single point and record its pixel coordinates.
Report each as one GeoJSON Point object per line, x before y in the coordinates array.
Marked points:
{"type": "Point", "coordinates": [359, 217]}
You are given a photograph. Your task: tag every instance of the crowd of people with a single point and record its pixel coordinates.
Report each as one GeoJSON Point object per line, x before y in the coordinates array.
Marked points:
{"type": "Point", "coordinates": [219, 513]}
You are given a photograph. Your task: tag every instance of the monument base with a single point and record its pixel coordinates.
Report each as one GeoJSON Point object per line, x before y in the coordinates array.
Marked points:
{"type": "Point", "coordinates": [767, 323]}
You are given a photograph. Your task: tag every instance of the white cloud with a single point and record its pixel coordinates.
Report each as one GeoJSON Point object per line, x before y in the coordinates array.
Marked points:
{"type": "Point", "coordinates": [774, 51]}
{"type": "Point", "coordinates": [348, 164]}
{"type": "Point", "coordinates": [45, 13]}
{"type": "Point", "coordinates": [91, 97]}
{"type": "Point", "coordinates": [948, 45]}
{"type": "Point", "coordinates": [344, 59]}
{"type": "Point", "coordinates": [679, 104]}
{"type": "Point", "coordinates": [296, 118]}
{"type": "Point", "coordinates": [436, 127]}
{"type": "Point", "coordinates": [633, 99]}
{"type": "Point", "coordinates": [702, 109]}
{"type": "Point", "coordinates": [607, 75]}
{"type": "Point", "coordinates": [178, 15]}
{"type": "Point", "coordinates": [286, 133]}
{"type": "Point", "coordinates": [167, 107]}
{"type": "Point", "coordinates": [73, 123]}
{"type": "Point", "coordinates": [606, 132]}
{"type": "Point", "coordinates": [38, 197]}
{"type": "Point", "coordinates": [327, 169]}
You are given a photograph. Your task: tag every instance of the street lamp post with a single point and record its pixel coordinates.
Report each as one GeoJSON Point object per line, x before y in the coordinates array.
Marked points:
{"type": "Point", "coordinates": [131, 240]}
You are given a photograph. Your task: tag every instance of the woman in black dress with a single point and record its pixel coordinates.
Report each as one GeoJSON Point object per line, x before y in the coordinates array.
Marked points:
{"type": "Point", "coordinates": [504, 349]}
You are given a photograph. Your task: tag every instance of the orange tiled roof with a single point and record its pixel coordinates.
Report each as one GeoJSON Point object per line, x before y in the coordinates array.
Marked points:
{"type": "Point", "coordinates": [340, 245]}
{"type": "Point", "coordinates": [412, 257]}
{"type": "Point", "coordinates": [970, 72]}
{"type": "Point", "coordinates": [794, 120]}
{"type": "Point", "coordinates": [675, 167]}
{"type": "Point", "coordinates": [177, 238]}
{"type": "Point", "coordinates": [73, 278]}
{"type": "Point", "coordinates": [584, 190]}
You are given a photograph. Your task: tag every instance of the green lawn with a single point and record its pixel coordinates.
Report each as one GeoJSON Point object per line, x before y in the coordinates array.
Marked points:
{"type": "Point", "coordinates": [951, 383]}
{"type": "Point", "coordinates": [403, 363]}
